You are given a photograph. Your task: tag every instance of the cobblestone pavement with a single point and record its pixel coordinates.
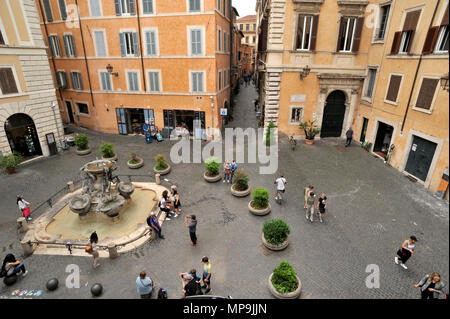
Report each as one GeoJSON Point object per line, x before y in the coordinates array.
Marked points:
{"type": "Point", "coordinates": [372, 209]}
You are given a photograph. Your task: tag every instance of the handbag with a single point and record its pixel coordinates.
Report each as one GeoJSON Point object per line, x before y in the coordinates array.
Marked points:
{"type": "Point", "coordinates": [88, 248]}
{"type": "Point", "coordinates": [26, 212]}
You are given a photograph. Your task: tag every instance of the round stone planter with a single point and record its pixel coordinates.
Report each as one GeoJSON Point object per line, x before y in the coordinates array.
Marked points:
{"type": "Point", "coordinates": [309, 142]}
{"type": "Point", "coordinates": [240, 193]}
{"type": "Point", "coordinates": [114, 158]}
{"type": "Point", "coordinates": [212, 179]}
{"type": "Point", "coordinates": [274, 247]}
{"type": "Point", "coordinates": [163, 172]}
{"type": "Point", "coordinates": [290, 295]}
{"type": "Point", "coordinates": [139, 164]}
{"type": "Point", "coordinates": [259, 212]}
{"type": "Point", "coordinates": [83, 152]}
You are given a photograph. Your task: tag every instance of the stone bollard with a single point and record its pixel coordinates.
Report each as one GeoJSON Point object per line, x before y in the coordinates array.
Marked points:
{"type": "Point", "coordinates": [70, 187]}
{"type": "Point", "coordinates": [112, 249]}
{"type": "Point", "coordinates": [22, 224]}
{"type": "Point", "coordinates": [27, 248]}
{"type": "Point", "coordinates": [158, 180]}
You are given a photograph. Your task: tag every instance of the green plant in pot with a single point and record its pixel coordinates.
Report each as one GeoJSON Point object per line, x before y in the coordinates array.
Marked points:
{"type": "Point", "coordinates": [82, 142]}
{"type": "Point", "coordinates": [134, 159]}
{"type": "Point", "coordinates": [212, 166]}
{"type": "Point", "coordinates": [276, 231]}
{"type": "Point", "coordinates": [284, 278]}
{"type": "Point", "coordinates": [240, 181]}
{"type": "Point", "coordinates": [107, 150]}
{"type": "Point", "coordinates": [311, 130]}
{"type": "Point", "coordinates": [8, 163]}
{"type": "Point", "coordinates": [260, 198]}
{"type": "Point", "coordinates": [161, 162]}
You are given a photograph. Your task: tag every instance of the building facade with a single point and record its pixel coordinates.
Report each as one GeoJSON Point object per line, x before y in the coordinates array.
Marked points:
{"type": "Point", "coordinates": [247, 25]}
{"type": "Point", "coordinates": [30, 123]}
{"type": "Point", "coordinates": [373, 65]}
{"type": "Point", "coordinates": [119, 64]}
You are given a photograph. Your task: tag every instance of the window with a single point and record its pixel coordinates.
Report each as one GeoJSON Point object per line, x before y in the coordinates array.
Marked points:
{"type": "Point", "coordinates": [406, 41]}
{"type": "Point", "coordinates": [383, 19]}
{"type": "Point", "coordinates": [77, 83]}
{"type": "Point", "coordinates": [7, 81]}
{"type": "Point", "coordinates": [125, 7]}
{"type": "Point", "coordinates": [154, 81]}
{"type": "Point", "coordinates": [426, 93]}
{"type": "Point", "coordinates": [62, 9]}
{"type": "Point", "coordinates": [69, 45]}
{"type": "Point", "coordinates": [61, 80]}
{"type": "Point", "coordinates": [133, 81]}
{"type": "Point", "coordinates": [224, 41]}
{"type": "Point", "coordinates": [254, 26]}
{"type": "Point", "coordinates": [194, 5]}
{"type": "Point", "coordinates": [224, 7]}
{"type": "Point", "coordinates": [218, 4]}
{"type": "Point", "coordinates": [402, 42]}
{"type": "Point", "coordinates": [83, 108]}
{"type": "Point", "coordinates": [48, 10]}
{"type": "Point", "coordinates": [54, 45]}
{"type": "Point", "coordinates": [437, 37]}
{"type": "Point", "coordinates": [296, 114]}
{"type": "Point", "coordinates": [95, 8]}
{"type": "Point", "coordinates": [304, 31]}
{"type": "Point", "coordinates": [220, 80]}
{"type": "Point", "coordinates": [105, 81]}
{"type": "Point", "coordinates": [147, 6]}
{"type": "Point", "coordinates": [224, 78]}
{"type": "Point", "coordinates": [346, 39]}
{"type": "Point", "coordinates": [393, 88]}
{"type": "Point", "coordinates": [150, 42]}
{"type": "Point", "coordinates": [370, 83]}
{"type": "Point", "coordinates": [128, 44]}
{"type": "Point", "coordinates": [196, 42]}
{"type": "Point", "coordinates": [2, 41]}
{"type": "Point", "coordinates": [253, 39]}
{"type": "Point", "coordinates": [100, 47]}
{"type": "Point", "coordinates": [241, 27]}
{"type": "Point", "coordinates": [219, 41]}
{"type": "Point", "coordinates": [246, 39]}
{"type": "Point", "coordinates": [442, 42]}
{"type": "Point", "coordinates": [247, 27]}
{"type": "Point", "coordinates": [197, 81]}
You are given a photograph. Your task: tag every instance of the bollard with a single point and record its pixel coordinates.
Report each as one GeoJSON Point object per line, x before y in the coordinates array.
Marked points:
{"type": "Point", "coordinates": [28, 248]}
{"type": "Point", "coordinates": [158, 180]}
{"type": "Point", "coordinates": [112, 249]}
{"type": "Point", "coordinates": [22, 224]}
{"type": "Point", "coordinates": [70, 187]}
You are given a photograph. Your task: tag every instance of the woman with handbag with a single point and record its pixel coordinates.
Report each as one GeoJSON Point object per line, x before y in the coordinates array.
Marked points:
{"type": "Point", "coordinates": [431, 286]}
{"type": "Point", "coordinates": [406, 251]}
{"type": "Point", "coordinates": [91, 248]}
{"type": "Point", "coordinates": [24, 207]}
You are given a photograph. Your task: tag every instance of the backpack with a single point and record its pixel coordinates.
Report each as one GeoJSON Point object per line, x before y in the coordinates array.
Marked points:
{"type": "Point", "coordinates": [162, 293]}
{"type": "Point", "coordinates": [2, 273]}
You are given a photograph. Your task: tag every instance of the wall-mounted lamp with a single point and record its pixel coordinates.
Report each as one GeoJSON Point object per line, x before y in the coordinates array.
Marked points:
{"type": "Point", "coordinates": [305, 72]}
{"type": "Point", "coordinates": [109, 68]}
{"type": "Point", "coordinates": [444, 82]}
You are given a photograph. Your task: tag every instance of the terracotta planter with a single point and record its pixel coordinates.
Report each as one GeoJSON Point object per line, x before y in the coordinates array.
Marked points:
{"type": "Point", "coordinates": [114, 158]}
{"type": "Point", "coordinates": [309, 142]}
{"type": "Point", "coordinates": [291, 295]}
{"type": "Point", "coordinates": [259, 212]}
{"type": "Point", "coordinates": [240, 193]}
{"type": "Point", "coordinates": [139, 164]}
{"type": "Point", "coordinates": [212, 179]}
{"type": "Point", "coordinates": [83, 152]}
{"type": "Point", "coordinates": [270, 246]}
{"type": "Point", "coordinates": [163, 172]}
{"type": "Point", "coordinates": [13, 171]}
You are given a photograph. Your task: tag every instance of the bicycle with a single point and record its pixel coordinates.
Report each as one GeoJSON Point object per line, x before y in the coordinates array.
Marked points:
{"type": "Point", "coordinates": [293, 142]}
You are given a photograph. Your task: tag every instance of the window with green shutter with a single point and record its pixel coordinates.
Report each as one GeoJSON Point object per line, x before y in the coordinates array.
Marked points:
{"type": "Point", "coordinates": [147, 6]}
{"type": "Point", "coordinates": [48, 10]}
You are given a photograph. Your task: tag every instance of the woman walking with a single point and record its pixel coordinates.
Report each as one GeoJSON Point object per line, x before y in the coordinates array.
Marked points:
{"type": "Point", "coordinates": [24, 207]}
{"type": "Point", "coordinates": [176, 202]}
{"type": "Point", "coordinates": [91, 248]}
{"type": "Point", "coordinates": [227, 172]}
{"type": "Point", "coordinates": [431, 286]}
{"type": "Point", "coordinates": [164, 204]}
{"type": "Point", "coordinates": [406, 251]}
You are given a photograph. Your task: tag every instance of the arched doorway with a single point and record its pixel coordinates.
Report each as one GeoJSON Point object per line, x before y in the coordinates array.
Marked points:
{"type": "Point", "coordinates": [22, 136]}
{"type": "Point", "coordinates": [333, 115]}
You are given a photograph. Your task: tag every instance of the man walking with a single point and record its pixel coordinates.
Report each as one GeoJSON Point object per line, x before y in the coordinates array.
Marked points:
{"type": "Point", "coordinates": [206, 274]}
{"type": "Point", "coordinates": [192, 225]}
{"type": "Point", "coordinates": [349, 135]}
{"type": "Point", "coordinates": [152, 221]}
{"type": "Point", "coordinates": [233, 168]}
{"type": "Point", "coordinates": [281, 188]}
{"type": "Point", "coordinates": [144, 285]}
{"type": "Point", "coordinates": [310, 205]}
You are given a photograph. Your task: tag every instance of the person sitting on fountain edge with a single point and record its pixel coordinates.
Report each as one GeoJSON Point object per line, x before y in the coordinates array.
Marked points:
{"type": "Point", "coordinates": [164, 206]}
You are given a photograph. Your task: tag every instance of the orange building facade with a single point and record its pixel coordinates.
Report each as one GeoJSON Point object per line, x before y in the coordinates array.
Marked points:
{"type": "Point", "coordinates": [118, 64]}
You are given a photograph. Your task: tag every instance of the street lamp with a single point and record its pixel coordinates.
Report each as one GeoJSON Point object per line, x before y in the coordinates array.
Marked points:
{"type": "Point", "coordinates": [304, 73]}
{"type": "Point", "coordinates": [444, 82]}
{"type": "Point", "coordinates": [109, 68]}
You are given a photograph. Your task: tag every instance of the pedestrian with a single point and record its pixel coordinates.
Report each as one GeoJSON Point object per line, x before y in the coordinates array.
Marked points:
{"type": "Point", "coordinates": [233, 168]}
{"type": "Point", "coordinates": [144, 285]}
{"type": "Point", "coordinates": [192, 225]}
{"type": "Point", "coordinates": [255, 102]}
{"type": "Point", "coordinates": [189, 286]}
{"type": "Point", "coordinates": [11, 266]}
{"type": "Point", "coordinates": [349, 135]}
{"type": "Point", "coordinates": [24, 207]}
{"type": "Point", "coordinates": [164, 205]}
{"type": "Point", "coordinates": [308, 189]}
{"type": "Point", "coordinates": [310, 205]}
{"type": "Point", "coordinates": [227, 172]}
{"type": "Point", "coordinates": [176, 200]}
{"type": "Point", "coordinates": [406, 251]}
{"type": "Point", "coordinates": [152, 221]}
{"type": "Point", "coordinates": [431, 286]}
{"type": "Point", "coordinates": [206, 274]}
{"type": "Point", "coordinates": [281, 186]}
{"type": "Point", "coordinates": [91, 248]}
{"type": "Point", "coordinates": [321, 206]}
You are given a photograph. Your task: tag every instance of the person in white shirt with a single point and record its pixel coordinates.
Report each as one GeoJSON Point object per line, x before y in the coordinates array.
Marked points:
{"type": "Point", "coordinates": [281, 186]}
{"type": "Point", "coordinates": [24, 207]}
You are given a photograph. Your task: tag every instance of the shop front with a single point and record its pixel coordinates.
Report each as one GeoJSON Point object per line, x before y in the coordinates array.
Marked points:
{"type": "Point", "coordinates": [22, 135]}
{"type": "Point", "coordinates": [184, 119]}
{"type": "Point", "coordinates": [131, 120]}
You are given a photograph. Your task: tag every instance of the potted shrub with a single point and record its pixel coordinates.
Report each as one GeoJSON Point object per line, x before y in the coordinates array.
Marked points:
{"type": "Point", "coordinates": [367, 146]}
{"type": "Point", "coordinates": [212, 166]}
{"type": "Point", "coordinates": [161, 167]}
{"type": "Point", "coordinates": [240, 186]}
{"type": "Point", "coordinates": [275, 234]}
{"type": "Point", "coordinates": [284, 282]}
{"type": "Point", "coordinates": [107, 150]}
{"type": "Point", "coordinates": [82, 144]}
{"type": "Point", "coordinates": [260, 204]}
{"type": "Point", "coordinates": [311, 130]}
{"type": "Point", "coordinates": [8, 163]}
{"type": "Point", "coordinates": [135, 162]}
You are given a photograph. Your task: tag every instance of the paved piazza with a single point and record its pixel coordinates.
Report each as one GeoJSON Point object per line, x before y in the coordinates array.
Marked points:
{"type": "Point", "coordinates": [372, 209]}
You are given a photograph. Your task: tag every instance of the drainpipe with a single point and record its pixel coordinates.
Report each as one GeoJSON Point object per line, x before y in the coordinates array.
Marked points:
{"type": "Point", "coordinates": [417, 72]}
{"type": "Point", "coordinates": [230, 47]}
{"type": "Point", "coordinates": [140, 45]}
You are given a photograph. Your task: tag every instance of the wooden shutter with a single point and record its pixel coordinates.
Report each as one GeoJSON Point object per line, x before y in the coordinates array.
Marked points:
{"type": "Point", "coordinates": [426, 93]}
{"type": "Point", "coordinates": [118, 7]}
{"type": "Point", "coordinates": [315, 22]}
{"type": "Point", "coordinates": [72, 41]}
{"type": "Point", "coordinates": [393, 88]}
{"type": "Point", "coordinates": [147, 6]}
{"type": "Point", "coordinates": [411, 20]}
{"type": "Point", "coordinates": [411, 39]}
{"type": "Point", "coordinates": [123, 49]}
{"type": "Point", "coordinates": [66, 82]}
{"type": "Point", "coordinates": [396, 42]}
{"type": "Point", "coordinates": [445, 17]}
{"type": "Point", "coordinates": [430, 40]}
{"type": "Point", "coordinates": [7, 81]}
{"type": "Point", "coordinates": [135, 44]}
{"type": "Point", "coordinates": [358, 31]}
{"type": "Point", "coordinates": [66, 44]}
{"type": "Point", "coordinates": [62, 9]}
{"type": "Point", "coordinates": [2, 41]}
{"type": "Point", "coordinates": [132, 8]}
{"type": "Point", "coordinates": [340, 34]}
{"type": "Point", "coordinates": [48, 10]}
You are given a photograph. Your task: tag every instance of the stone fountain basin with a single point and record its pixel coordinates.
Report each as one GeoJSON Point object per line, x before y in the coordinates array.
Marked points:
{"type": "Point", "coordinates": [126, 189]}
{"type": "Point", "coordinates": [113, 207]}
{"type": "Point", "coordinates": [80, 204]}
